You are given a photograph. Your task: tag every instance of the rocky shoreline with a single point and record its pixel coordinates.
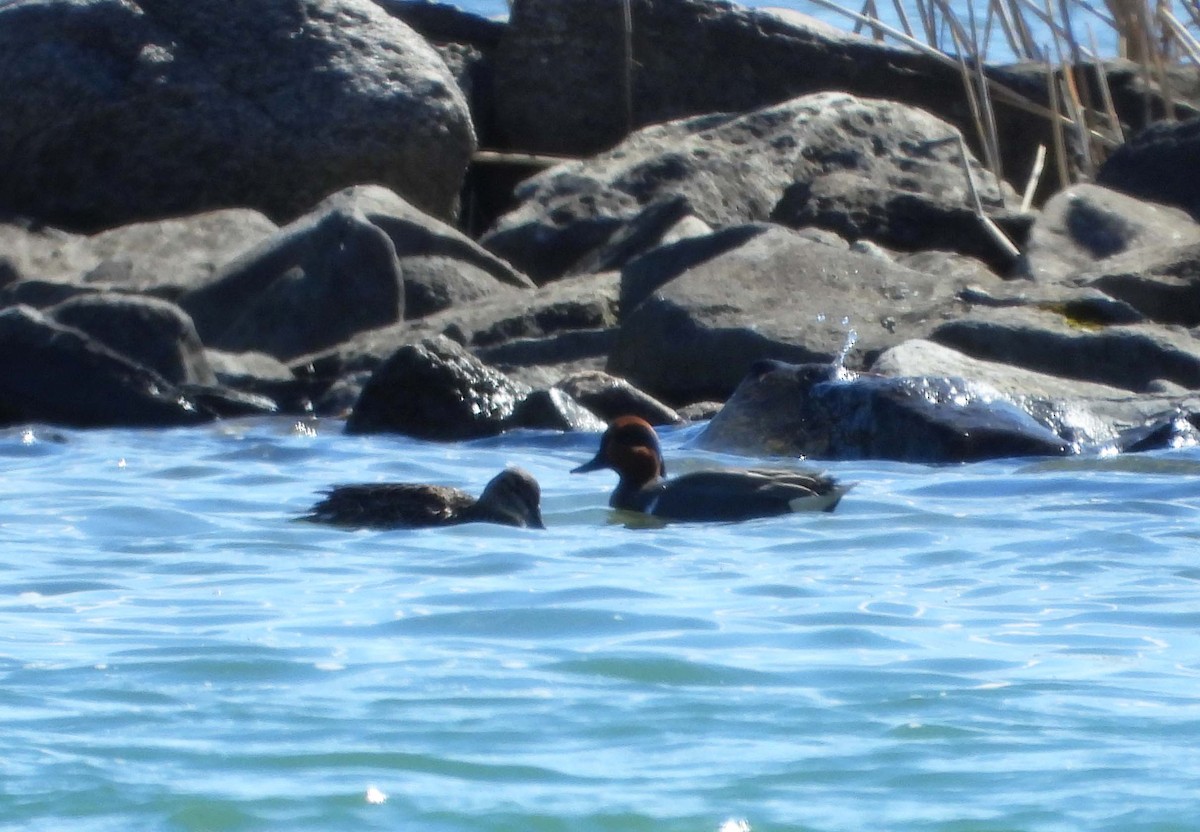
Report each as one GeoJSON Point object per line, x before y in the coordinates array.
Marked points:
{"type": "Point", "coordinates": [210, 213]}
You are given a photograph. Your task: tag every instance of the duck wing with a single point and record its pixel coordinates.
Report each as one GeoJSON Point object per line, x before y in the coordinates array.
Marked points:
{"type": "Point", "coordinates": [742, 494]}
{"type": "Point", "coordinates": [390, 505]}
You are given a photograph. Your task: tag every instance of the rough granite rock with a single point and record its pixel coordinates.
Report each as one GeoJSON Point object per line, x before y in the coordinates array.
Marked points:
{"type": "Point", "coordinates": [862, 168]}
{"type": "Point", "coordinates": [562, 85]}
{"type": "Point", "coordinates": [58, 374]}
{"type": "Point", "coordinates": [442, 267]}
{"type": "Point", "coordinates": [1134, 357]}
{"type": "Point", "coordinates": [1159, 164]}
{"type": "Point", "coordinates": [155, 333]}
{"type": "Point", "coordinates": [435, 389]}
{"type": "Point", "coordinates": [1082, 226]}
{"type": "Point", "coordinates": [815, 410]}
{"type": "Point", "coordinates": [116, 111]}
{"type": "Point", "coordinates": [1162, 284]}
{"type": "Point", "coordinates": [609, 397]}
{"type": "Point", "coordinates": [311, 285]}
{"type": "Point", "coordinates": [558, 325]}
{"type": "Point", "coordinates": [779, 295]}
{"type": "Point", "coordinates": [1087, 414]}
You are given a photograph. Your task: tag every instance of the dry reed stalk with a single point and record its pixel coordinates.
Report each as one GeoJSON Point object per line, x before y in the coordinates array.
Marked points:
{"type": "Point", "coordinates": [903, 15]}
{"type": "Point", "coordinates": [985, 140]}
{"type": "Point", "coordinates": [994, 231]}
{"type": "Point", "coordinates": [1127, 23]}
{"type": "Point", "coordinates": [1193, 10]}
{"type": "Point", "coordinates": [1110, 109]}
{"type": "Point", "coordinates": [989, 112]}
{"type": "Point", "coordinates": [1001, 92]}
{"type": "Point", "coordinates": [532, 160]}
{"type": "Point", "coordinates": [927, 21]}
{"type": "Point", "coordinates": [1035, 176]}
{"type": "Point", "coordinates": [869, 12]}
{"type": "Point", "coordinates": [1060, 148]}
{"type": "Point", "coordinates": [1071, 100]}
{"type": "Point", "coordinates": [1188, 43]}
{"type": "Point", "coordinates": [1030, 49]}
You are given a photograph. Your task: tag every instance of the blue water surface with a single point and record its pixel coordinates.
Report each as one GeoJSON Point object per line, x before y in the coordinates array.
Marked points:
{"type": "Point", "coordinates": [1000, 646]}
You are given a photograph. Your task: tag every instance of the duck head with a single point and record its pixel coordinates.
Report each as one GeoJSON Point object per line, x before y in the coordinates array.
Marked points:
{"type": "Point", "coordinates": [513, 497]}
{"type": "Point", "coordinates": [629, 447]}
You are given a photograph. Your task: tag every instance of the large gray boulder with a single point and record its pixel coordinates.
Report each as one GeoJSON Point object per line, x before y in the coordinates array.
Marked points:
{"type": "Point", "coordinates": [435, 389]}
{"type": "Point", "coordinates": [1159, 164]}
{"type": "Point", "coordinates": [563, 87]}
{"type": "Point", "coordinates": [815, 410]}
{"type": "Point", "coordinates": [1082, 226]}
{"type": "Point", "coordinates": [1137, 357]}
{"type": "Point", "coordinates": [31, 251]}
{"type": "Point", "coordinates": [313, 284]}
{"type": "Point", "coordinates": [1089, 415]}
{"type": "Point", "coordinates": [53, 373]}
{"type": "Point", "coordinates": [161, 257]}
{"type": "Point", "coordinates": [113, 111]}
{"type": "Point", "coordinates": [169, 257]}
{"type": "Point", "coordinates": [1161, 283]}
{"type": "Point", "coordinates": [537, 337]}
{"type": "Point", "coordinates": [153, 332]}
{"type": "Point", "coordinates": [862, 168]}
{"type": "Point", "coordinates": [442, 267]}
{"type": "Point", "coordinates": [779, 295]}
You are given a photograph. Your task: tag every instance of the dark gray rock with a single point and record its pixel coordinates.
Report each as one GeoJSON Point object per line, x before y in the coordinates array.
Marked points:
{"type": "Point", "coordinates": [561, 72]}
{"type": "Point", "coordinates": [1131, 357]}
{"type": "Point", "coordinates": [609, 397]}
{"type": "Point", "coordinates": [858, 167]}
{"type": "Point", "coordinates": [226, 403]}
{"type": "Point", "coordinates": [40, 294]}
{"type": "Point", "coordinates": [154, 333]}
{"type": "Point", "coordinates": [39, 252]}
{"type": "Point", "coordinates": [1160, 164]}
{"type": "Point", "coordinates": [909, 205]}
{"type": "Point", "coordinates": [554, 409]}
{"type": "Point", "coordinates": [259, 374]}
{"type": "Point", "coordinates": [1088, 415]}
{"type": "Point", "coordinates": [172, 256]}
{"type": "Point", "coordinates": [1080, 227]}
{"type": "Point", "coordinates": [1080, 306]}
{"type": "Point", "coordinates": [556, 327]}
{"type": "Point", "coordinates": [164, 257]}
{"type": "Point", "coordinates": [465, 42]}
{"type": "Point", "coordinates": [643, 275]}
{"type": "Point", "coordinates": [652, 226]}
{"type": "Point", "coordinates": [442, 267]}
{"type": "Point", "coordinates": [118, 111]}
{"type": "Point", "coordinates": [313, 284]}
{"type": "Point", "coordinates": [1161, 283]}
{"type": "Point", "coordinates": [814, 411]}
{"type": "Point", "coordinates": [568, 347]}
{"type": "Point", "coordinates": [782, 296]}
{"type": "Point", "coordinates": [57, 374]}
{"type": "Point", "coordinates": [435, 390]}
{"type": "Point", "coordinates": [959, 268]}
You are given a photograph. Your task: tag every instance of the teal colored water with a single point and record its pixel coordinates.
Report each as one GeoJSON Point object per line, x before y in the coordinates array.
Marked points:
{"type": "Point", "coordinates": [1001, 646]}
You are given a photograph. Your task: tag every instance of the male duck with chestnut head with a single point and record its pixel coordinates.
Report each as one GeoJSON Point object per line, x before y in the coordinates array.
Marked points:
{"type": "Point", "coordinates": [630, 447]}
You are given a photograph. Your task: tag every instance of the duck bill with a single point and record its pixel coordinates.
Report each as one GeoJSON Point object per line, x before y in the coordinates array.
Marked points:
{"type": "Point", "coordinates": [597, 463]}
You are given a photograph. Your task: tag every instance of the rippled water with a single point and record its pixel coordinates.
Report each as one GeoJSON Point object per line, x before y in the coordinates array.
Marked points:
{"type": "Point", "coordinates": [1002, 646]}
